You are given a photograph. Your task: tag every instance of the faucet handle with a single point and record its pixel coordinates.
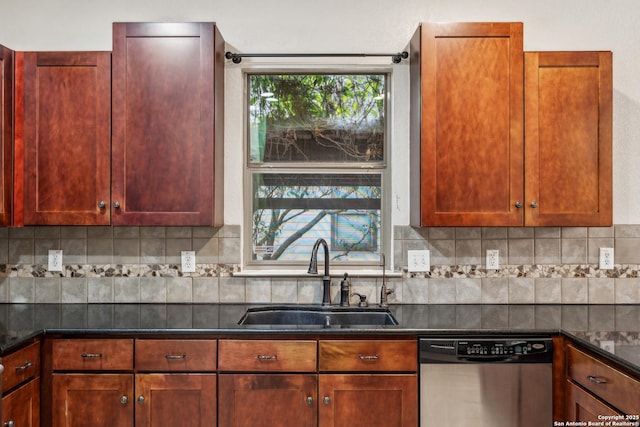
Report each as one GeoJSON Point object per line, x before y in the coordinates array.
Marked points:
{"type": "Point", "coordinates": [363, 300]}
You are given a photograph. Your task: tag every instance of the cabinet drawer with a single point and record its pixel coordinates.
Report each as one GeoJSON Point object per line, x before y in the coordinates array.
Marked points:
{"type": "Point", "coordinates": [176, 355]}
{"type": "Point", "coordinates": [606, 382]}
{"type": "Point", "coordinates": [267, 355]}
{"type": "Point", "coordinates": [93, 354]}
{"type": "Point", "coordinates": [368, 355]}
{"type": "Point", "coordinates": [21, 366]}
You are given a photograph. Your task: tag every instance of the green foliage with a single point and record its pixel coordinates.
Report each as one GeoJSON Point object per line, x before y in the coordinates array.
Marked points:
{"type": "Point", "coordinates": [343, 99]}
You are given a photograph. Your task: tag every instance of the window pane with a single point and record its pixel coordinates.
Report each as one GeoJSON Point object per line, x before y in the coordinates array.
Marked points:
{"type": "Point", "coordinates": [316, 117]}
{"type": "Point", "coordinates": [291, 211]}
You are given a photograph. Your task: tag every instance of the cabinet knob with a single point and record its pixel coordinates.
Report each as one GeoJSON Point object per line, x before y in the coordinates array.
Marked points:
{"type": "Point", "coordinates": [10, 423]}
{"type": "Point", "coordinates": [518, 205]}
{"type": "Point", "coordinates": [116, 204]}
{"type": "Point", "coordinates": [534, 204]}
{"type": "Point", "coordinates": [101, 204]}
{"type": "Point", "coordinates": [309, 400]}
{"type": "Point", "coordinates": [326, 400]}
{"type": "Point", "coordinates": [124, 400]}
{"type": "Point", "coordinates": [141, 399]}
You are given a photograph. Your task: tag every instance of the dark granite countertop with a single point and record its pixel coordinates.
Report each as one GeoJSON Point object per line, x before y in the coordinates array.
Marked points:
{"type": "Point", "coordinates": [595, 326]}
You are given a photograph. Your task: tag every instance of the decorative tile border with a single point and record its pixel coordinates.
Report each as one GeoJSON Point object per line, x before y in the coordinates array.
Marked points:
{"type": "Point", "coordinates": [568, 271]}
{"type": "Point", "coordinates": [619, 338]}
{"type": "Point", "coordinates": [118, 270]}
{"type": "Point", "coordinates": [535, 271]}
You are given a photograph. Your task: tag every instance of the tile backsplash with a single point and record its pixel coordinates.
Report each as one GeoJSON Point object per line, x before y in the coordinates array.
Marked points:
{"type": "Point", "coordinates": [549, 265]}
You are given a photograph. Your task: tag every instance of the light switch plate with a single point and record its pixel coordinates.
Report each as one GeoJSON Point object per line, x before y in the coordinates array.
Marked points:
{"type": "Point", "coordinates": [418, 261]}
{"type": "Point", "coordinates": [55, 260]}
{"type": "Point", "coordinates": [188, 261]}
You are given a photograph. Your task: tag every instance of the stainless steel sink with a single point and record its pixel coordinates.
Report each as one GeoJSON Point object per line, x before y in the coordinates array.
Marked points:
{"type": "Point", "coordinates": [318, 316]}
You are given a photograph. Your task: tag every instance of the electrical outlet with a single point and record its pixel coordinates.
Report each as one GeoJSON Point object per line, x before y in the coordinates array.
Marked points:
{"type": "Point", "coordinates": [606, 258]}
{"type": "Point", "coordinates": [493, 259]}
{"type": "Point", "coordinates": [188, 262]}
{"type": "Point", "coordinates": [608, 345]}
{"type": "Point", "coordinates": [55, 260]}
{"type": "Point", "coordinates": [418, 261]}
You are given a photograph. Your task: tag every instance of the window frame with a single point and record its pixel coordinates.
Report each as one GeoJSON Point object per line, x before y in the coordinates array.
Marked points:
{"type": "Point", "coordinates": [378, 167]}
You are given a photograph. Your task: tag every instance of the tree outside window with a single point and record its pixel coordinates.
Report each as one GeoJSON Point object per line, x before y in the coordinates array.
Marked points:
{"type": "Point", "coordinates": [316, 160]}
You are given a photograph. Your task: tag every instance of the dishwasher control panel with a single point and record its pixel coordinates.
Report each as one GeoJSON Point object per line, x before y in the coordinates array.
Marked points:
{"type": "Point", "coordinates": [499, 348]}
{"type": "Point", "coordinates": [476, 350]}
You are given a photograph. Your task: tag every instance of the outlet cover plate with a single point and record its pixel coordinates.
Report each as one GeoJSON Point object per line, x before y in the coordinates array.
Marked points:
{"type": "Point", "coordinates": [606, 259]}
{"type": "Point", "coordinates": [608, 345]}
{"type": "Point", "coordinates": [493, 259]}
{"type": "Point", "coordinates": [188, 261]}
{"type": "Point", "coordinates": [55, 260]}
{"type": "Point", "coordinates": [418, 261]}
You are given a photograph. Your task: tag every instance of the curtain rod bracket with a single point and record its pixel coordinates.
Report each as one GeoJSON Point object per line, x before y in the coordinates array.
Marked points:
{"type": "Point", "coordinates": [236, 58]}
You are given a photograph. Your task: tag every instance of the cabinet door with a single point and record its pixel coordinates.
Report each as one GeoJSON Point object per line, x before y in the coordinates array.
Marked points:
{"type": "Point", "coordinates": [266, 400]}
{"type": "Point", "coordinates": [467, 140]}
{"type": "Point", "coordinates": [568, 116]}
{"type": "Point", "coordinates": [22, 406]}
{"type": "Point", "coordinates": [582, 406]}
{"type": "Point", "coordinates": [6, 133]}
{"type": "Point", "coordinates": [368, 400]}
{"type": "Point", "coordinates": [175, 399]}
{"type": "Point", "coordinates": [67, 135]}
{"type": "Point", "coordinates": [92, 400]}
{"type": "Point", "coordinates": [167, 129]}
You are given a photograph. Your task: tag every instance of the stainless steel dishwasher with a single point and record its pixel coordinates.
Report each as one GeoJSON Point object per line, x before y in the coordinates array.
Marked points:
{"type": "Point", "coordinates": [486, 382]}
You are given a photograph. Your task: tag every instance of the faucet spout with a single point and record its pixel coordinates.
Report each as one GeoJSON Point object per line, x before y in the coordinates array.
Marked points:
{"type": "Point", "coordinates": [313, 269]}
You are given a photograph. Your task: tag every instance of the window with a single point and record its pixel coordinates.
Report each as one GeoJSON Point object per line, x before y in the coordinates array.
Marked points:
{"type": "Point", "coordinates": [316, 165]}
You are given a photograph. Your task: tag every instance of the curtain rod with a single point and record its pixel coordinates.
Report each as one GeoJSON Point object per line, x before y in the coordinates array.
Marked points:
{"type": "Point", "coordinates": [236, 58]}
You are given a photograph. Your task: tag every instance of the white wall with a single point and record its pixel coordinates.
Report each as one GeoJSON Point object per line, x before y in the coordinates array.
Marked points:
{"type": "Point", "coordinates": [268, 26]}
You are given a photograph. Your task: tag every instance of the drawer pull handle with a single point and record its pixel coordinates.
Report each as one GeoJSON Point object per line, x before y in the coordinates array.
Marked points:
{"type": "Point", "coordinates": [91, 355]}
{"type": "Point", "coordinates": [175, 356]}
{"type": "Point", "coordinates": [267, 357]}
{"type": "Point", "coordinates": [372, 357]}
{"type": "Point", "coordinates": [24, 367]}
{"type": "Point", "coordinates": [597, 380]}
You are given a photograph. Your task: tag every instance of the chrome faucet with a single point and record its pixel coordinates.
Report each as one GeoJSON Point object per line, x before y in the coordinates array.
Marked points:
{"type": "Point", "coordinates": [313, 269]}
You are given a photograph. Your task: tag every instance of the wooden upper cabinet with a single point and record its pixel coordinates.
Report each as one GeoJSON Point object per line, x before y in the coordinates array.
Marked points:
{"type": "Point", "coordinates": [6, 133]}
{"type": "Point", "coordinates": [568, 134]}
{"type": "Point", "coordinates": [467, 124]}
{"type": "Point", "coordinates": [167, 124]}
{"type": "Point", "coordinates": [63, 138]}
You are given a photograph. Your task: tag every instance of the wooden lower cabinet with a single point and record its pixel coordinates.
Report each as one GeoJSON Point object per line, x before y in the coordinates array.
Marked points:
{"type": "Point", "coordinates": [21, 407]}
{"type": "Point", "coordinates": [366, 400]}
{"type": "Point", "coordinates": [266, 400]}
{"type": "Point", "coordinates": [583, 406]}
{"type": "Point", "coordinates": [92, 400]}
{"type": "Point", "coordinates": [122, 400]}
{"type": "Point", "coordinates": [175, 399]}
